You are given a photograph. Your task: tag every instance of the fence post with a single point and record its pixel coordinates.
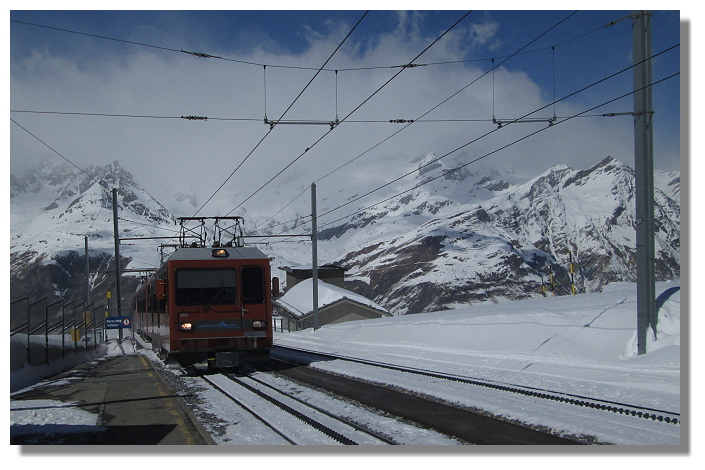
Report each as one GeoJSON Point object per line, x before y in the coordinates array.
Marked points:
{"type": "Point", "coordinates": [95, 339]}
{"type": "Point", "coordinates": [63, 329]}
{"type": "Point", "coordinates": [29, 343]}
{"type": "Point", "coordinates": [75, 331]}
{"type": "Point", "coordinates": [46, 332]}
{"type": "Point", "coordinates": [85, 322]}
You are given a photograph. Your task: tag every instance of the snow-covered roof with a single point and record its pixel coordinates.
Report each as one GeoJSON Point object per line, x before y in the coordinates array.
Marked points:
{"type": "Point", "coordinates": [299, 299]}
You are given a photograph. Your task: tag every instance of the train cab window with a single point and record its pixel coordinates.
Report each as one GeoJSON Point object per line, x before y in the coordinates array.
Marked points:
{"type": "Point", "coordinates": [252, 284]}
{"type": "Point", "coordinates": [206, 286]}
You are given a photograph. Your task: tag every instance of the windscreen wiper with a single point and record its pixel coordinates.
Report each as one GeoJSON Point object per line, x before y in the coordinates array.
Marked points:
{"type": "Point", "coordinates": [210, 304]}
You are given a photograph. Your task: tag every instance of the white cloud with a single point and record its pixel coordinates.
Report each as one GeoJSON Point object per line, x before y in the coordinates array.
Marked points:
{"type": "Point", "coordinates": [173, 155]}
{"type": "Point", "coordinates": [483, 32]}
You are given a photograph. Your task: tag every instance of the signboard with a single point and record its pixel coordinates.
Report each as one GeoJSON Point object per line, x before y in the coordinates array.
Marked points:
{"type": "Point", "coordinates": [112, 323]}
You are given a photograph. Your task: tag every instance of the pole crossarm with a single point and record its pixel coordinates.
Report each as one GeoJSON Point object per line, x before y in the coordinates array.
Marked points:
{"type": "Point", "coordinates": [503, 122]}
{"type": "Point", "coordinates": [305, 235]}
{"type": "Point", "coordinates": [154, 238]}
{"type": "Point", "coordinates": [332, 124]}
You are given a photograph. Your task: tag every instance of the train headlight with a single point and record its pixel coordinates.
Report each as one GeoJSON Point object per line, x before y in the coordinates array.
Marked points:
{"type": "Point", "coordinates": [220, 253]}
{"type": "Point", "coordinates": [186, 326]}
{"type": "Point", "coordinates": [259, 324]}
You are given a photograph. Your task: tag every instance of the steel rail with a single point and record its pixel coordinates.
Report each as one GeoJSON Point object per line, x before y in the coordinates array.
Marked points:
{"type": "Point", "coordinates": [304, 417]}
{"type": "Point", "coordinates": [242, 405]}
{"type": "Point", "coordinates": [299, 414]}
{"type": "Point", "coordinates": [350, 423]}
{"type": "Point", "coordinates": [654, 414]}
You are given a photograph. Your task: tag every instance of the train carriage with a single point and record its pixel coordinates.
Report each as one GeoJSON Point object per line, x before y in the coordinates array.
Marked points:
{"type": "Point", "coordinates": [208, 304]}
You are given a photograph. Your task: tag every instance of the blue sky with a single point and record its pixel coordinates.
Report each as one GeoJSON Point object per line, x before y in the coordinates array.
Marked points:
{"type": "Point", "coordinates": [59, 71]}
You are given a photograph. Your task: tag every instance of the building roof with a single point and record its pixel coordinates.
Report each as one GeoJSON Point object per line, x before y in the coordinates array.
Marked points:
{"type": "Point", "coordinates": [299, 299]}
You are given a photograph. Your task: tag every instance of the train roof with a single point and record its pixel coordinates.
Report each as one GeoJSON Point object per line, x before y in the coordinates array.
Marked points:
{"type": "Point", "coordinates": [207, 253]}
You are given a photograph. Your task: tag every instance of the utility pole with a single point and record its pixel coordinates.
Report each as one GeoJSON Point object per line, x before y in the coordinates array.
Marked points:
{"type": "Point", "coordinates": [314, 256]}
{"type": "Point", "coordinates": [644, 178]}
{"type": "Point", "coordinates": [117, 256]}
{"type": "Point", "coordinates": [88, 273]}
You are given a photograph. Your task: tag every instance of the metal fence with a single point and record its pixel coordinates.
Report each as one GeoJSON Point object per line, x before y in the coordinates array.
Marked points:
{"type": "Point", "coordinates": [52, 330]}
{"type": "Point", "coordinates": [284, 324]}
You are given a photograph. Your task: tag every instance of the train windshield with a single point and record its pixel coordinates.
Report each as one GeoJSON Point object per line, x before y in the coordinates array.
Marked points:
{"type": "Point", "coordinates": [206, 286]}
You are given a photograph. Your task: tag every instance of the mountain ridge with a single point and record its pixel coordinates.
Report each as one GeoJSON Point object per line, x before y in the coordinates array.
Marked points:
{"type": "Point", "coordinates": [458, 237]}
{"type": "Point", "coordinates": [509, 245]}
{"type": "Point", "coordinates": [54, 206]}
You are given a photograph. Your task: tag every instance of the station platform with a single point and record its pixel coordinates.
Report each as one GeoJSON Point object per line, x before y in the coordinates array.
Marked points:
{"type": "Point", "coordinates": [113, 400]}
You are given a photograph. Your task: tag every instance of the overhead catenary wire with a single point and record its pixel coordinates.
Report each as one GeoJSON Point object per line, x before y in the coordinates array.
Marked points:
{"type": "Point", "coordinates": [336, 96]}
{"type": "Point", "coordinates": [358, 211]}
{"type": "Point", "coordinates": [253, 119]}
{"type": "Point", "coordinates": [528, 114]}
{"type": "Point", "coordinates": [351, 121]}
{"type": "Point", "coordinates": [553, 58]}
{"type": "Point", "coordinates": [409, 65]}
{"type": "Point", "coordinates": [283, 114]}
{"type": "Point", "coordinates": [485, 155]}
{"type": "Point", "coordinates": [444, 101]}
{"type": "Point", "coordinates": [455, 94]}
{"type": "Point", "coordinates": [264, 79]}
{"type": "Point", "coordinates": [296, 67]}
{"type": "Point", "coordinates": [349, 114]}
{"type": "Point", "coordinates": [495, 151]}
{"type": "Point", "coordinates": [159, 227]}
{"type": "Point", "coordinates": [100, 182]}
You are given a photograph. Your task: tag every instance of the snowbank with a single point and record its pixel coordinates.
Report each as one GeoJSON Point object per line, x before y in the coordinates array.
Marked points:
{"type": "Point", "coordinates": [576, 344]}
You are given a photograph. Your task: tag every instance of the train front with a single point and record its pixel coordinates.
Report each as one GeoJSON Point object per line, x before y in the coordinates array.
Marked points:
{"type": "Point", "coordinates": [219, 305]}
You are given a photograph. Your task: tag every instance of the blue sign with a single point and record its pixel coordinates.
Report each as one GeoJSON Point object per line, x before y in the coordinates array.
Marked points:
{"type": "Point", "coordinates": [112, 323]}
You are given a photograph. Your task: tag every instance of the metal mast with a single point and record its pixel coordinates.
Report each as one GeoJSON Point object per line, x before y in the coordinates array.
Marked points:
{"type": "Point", "coordinates": [88, 272]}
{"type": "Point", "coordinates": [314, 256]}
{"type": "Point", "coordinates": [117, 254]}
{"type": "Point", "coordinates": [644, 178]}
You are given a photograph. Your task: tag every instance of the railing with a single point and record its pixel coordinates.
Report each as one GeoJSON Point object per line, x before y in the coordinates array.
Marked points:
{"type": "Point", "coordinates": [285, 324]}
{"type": "Point", "coordinates": [51, 330]}
{"type": "Point", "coordinates": [280, 323]}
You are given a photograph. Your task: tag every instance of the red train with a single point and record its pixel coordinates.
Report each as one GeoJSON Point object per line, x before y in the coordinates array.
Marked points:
{"type": "Point", "coordinates": [208, 304]}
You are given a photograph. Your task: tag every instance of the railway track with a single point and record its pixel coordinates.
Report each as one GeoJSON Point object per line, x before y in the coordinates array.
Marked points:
{"type": "Point", "coordinates": [295, 420]}
{"type": "Point", "coordinates": [620, 408]}
{"type": "Point", "coordinates": [464, 425]}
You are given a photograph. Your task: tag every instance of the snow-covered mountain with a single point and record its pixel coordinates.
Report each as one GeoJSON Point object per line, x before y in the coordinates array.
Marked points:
{"type": "Point", "coordinates": [460, 236]}
{"type": "Point", "coordinates": [468, 237]}
{"type": "Point", "coordinates": [54, 205]}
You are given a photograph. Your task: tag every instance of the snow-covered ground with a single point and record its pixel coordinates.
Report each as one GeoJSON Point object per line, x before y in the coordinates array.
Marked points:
{"type": "Point", "coordinates": [581, 344]}
{"type": "Point", "coordinates": [584, 345]}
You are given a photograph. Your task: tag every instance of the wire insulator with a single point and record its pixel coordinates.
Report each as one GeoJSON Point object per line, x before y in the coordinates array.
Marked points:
{"type": "Point", "coordinates": [200, 54]}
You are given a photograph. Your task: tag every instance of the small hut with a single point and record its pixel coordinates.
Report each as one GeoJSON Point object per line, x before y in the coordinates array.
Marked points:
{"type": "Point", "coordinates": [335, 305]}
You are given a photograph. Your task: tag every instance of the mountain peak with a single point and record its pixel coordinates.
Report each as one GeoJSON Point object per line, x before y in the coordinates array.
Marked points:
{"type": "Point", "coordinates": [428, 163]}
{"type": "Point", "coordinates": [55, 201]}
